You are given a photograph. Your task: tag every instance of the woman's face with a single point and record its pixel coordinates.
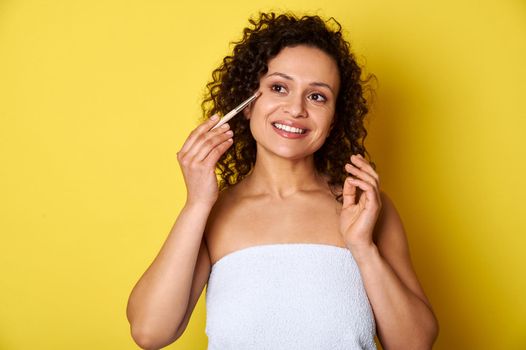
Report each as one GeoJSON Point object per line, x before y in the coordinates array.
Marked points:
{"type": "Point", "coordinates": [293, 116]}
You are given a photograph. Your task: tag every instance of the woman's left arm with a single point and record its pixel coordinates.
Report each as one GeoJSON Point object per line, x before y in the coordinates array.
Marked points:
{"type": "Point", "coordinates": [374, 233]}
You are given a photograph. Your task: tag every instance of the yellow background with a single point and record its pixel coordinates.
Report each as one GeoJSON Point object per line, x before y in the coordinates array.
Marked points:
{"type": "Point", "coordinates": [96, 98]}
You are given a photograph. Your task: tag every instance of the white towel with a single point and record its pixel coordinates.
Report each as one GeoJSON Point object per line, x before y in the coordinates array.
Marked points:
{"type": "Point", "coordinates": [288, 296]}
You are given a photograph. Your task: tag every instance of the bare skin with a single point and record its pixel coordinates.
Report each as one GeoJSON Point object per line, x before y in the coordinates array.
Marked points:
{"type": "Point", "coordinates": [283, 200]}
{"type": "Point", "coordinates": [308, 216]}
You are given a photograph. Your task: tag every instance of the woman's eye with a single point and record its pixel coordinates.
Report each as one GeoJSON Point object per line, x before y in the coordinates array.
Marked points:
{"type": "Point", "coordinates": [318, 97]}
{"type": "Point", "coordinates": [278, 88]}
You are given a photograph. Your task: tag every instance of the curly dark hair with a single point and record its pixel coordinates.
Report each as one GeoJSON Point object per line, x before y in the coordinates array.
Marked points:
{"type": "Point", "coordinates": [238, 77]}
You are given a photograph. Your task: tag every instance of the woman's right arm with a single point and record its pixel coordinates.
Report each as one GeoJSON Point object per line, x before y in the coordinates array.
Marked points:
{"type": "Point", "coordinates": [158, 303]}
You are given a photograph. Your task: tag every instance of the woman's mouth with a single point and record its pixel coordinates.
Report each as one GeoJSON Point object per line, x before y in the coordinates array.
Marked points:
{"type": "Point", "coordinates": [289, 132]}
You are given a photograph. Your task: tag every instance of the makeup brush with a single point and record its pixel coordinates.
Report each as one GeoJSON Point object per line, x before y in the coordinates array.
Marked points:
{"type": "Point", "coordinates": [236, 110]}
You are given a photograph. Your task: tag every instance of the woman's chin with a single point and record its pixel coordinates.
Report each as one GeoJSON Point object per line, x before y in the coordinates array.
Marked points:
{"type": "Point", "coordinates": [289, 153]}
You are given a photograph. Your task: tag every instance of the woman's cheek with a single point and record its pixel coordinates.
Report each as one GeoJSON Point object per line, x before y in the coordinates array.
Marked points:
{"type": "Point", "coordinates": [269, 105]}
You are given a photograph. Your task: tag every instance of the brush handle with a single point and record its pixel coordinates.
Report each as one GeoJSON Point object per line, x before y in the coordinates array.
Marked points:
{"type": "Point", "coordinates": [236, 110]}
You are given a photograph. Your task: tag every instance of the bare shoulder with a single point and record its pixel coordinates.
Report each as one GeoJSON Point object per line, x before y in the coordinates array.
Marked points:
{"type": "Point", "coordinates": [389, 233]}
{"type": "Point", "coordinates": [224, 201]}
{"type": "Point", "coordinates": [222, 222]}
{"type": "Point", "coordinates": [391, 240]}
{"type": "Point", "coordinates": [389, 227]}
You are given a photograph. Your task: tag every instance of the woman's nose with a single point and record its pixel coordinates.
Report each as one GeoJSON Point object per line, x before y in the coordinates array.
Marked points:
{"type": "Point", "coordinates": [296, 106]}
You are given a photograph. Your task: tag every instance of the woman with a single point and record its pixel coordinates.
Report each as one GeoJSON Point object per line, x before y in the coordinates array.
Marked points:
{"type": "Point", "coordinates": [299, 246]}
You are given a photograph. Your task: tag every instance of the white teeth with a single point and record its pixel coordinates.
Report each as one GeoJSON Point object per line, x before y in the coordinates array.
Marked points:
{"type": "Point", "coordinates": [289, 128]}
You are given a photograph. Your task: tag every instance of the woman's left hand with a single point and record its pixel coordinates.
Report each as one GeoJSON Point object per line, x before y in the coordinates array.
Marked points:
{"type": "Point", "coordinates": [358, 216]}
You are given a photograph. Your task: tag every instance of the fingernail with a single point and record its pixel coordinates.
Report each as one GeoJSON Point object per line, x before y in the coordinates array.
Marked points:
{"type": "Point", "coordinates": [215, 117]}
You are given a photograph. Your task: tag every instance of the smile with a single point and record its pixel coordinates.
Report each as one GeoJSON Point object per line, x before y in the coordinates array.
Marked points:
{"type": "Point", "coordinates": [289, 129]}
{"type": "Point", "coordinates": [289, 132]}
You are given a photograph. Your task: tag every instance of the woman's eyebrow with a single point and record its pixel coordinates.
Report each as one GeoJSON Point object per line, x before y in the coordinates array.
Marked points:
{"type": "Point", "coordinates": [288, 77]}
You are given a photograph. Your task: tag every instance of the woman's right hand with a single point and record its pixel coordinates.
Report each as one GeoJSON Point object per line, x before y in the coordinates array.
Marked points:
{"type": "Point", "coordinates": [198, 157]}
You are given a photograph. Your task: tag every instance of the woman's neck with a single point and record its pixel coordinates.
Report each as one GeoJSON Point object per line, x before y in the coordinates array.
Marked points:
{"type": "Point", "coordinates": [279, 178]}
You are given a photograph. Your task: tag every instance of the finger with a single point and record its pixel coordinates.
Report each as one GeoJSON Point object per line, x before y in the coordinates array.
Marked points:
{"type": "Point", "coordinates": [363, 164]}
{"type": "Point", "coordinates": [197, 132]}
{"type": "Point", "coordinates": [212, 139]}
{"type": "Point", "coordinates": [371, 193]}
{"type": "Point", "coordinates": [349, 193]}
{"type": "Point", "coordinates": [217, 152]}
{"type": "Point", "coordinates": [207, 142]}
{"type": "Point", "coordinates": [195, 148]}
{"type": "Point", "coordinates": [360, 174]}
